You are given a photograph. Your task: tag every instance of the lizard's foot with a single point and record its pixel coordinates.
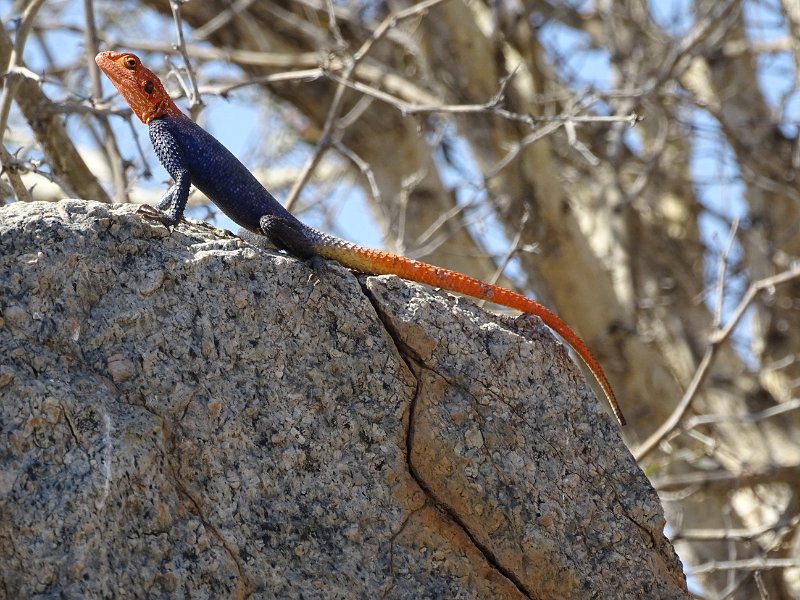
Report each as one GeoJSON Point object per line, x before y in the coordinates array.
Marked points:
{"type": "Point", "coordinates": [318, 266]}
{"type": "Point", "coordinates": [153, 214]}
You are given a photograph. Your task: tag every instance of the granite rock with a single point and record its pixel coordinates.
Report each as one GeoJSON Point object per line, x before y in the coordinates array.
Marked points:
{"type": "Point", "coordinates": [183, 415]}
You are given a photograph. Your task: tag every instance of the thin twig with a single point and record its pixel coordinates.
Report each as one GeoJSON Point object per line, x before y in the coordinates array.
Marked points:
{"type": "Point", "coordinates": [722, 273]}
{"type": "Point", "coordinates": [195, 100]}
{"type": "Point", "coordinates": [15, 62]}
{"type": "Point", "coordinates": [13, 67]}
{"type": "Point", "coordinates": [335, 106]}
{"type": "Point", "coordinates": [109, 142]}
{"type": "Point", "coordinates": [723, 479]}
{"type": "Point", "coordinates": [300, 75]}
{"type": "Point", "coordinates": [752, 292]}
{"type": "Point", "coordinates": [491, 106]}
{"type": "Point", "coordinates": [68, 107]}
{"type": "Point", "coordinates": [518, 147]}
{"type": "Point", "coordinates": [705, 363]}
{"type": "Point", "coordinates": [322, 147]}
{"type": "Point", "coordinates": [427, 236]}
{"type": "Point", "coordinates": [769, 413]}
{"type": "Point", "coordinates": [333, 25]}
{"type": "Point", "coordinates": [744, 564]}
{"type": "Point", "coordinates": [390, 22]}
{"type": "Point", "coordinates": [514, 247]}
{"type": "Point", "coordinates": [717, 534]}
{"type": "Point", "coordinates": [715, 339]}
{"type": "Point", "coordinates": [433, 245]}
{"type": "Point", "coordinates": [365, 169]}
{"type": "Point", "coordinates": [222, 19]}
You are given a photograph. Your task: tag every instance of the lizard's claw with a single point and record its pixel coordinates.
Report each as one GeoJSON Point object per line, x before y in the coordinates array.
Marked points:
{"type": "Point", "coordinates": [153, 214]}
{"type": "Point", "coordinates": [318, 266]}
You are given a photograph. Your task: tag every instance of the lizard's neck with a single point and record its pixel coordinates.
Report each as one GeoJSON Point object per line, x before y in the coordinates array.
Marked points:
{"type": "Point", "coordinates": [165, 107]}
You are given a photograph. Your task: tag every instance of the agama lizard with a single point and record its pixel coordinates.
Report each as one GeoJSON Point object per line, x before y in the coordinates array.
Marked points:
{"type": "Point", "coordinates": [191, 155]}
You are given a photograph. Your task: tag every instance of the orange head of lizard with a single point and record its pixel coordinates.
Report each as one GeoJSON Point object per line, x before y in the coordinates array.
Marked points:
{"type": "Point", "coordinates": [140, 87]}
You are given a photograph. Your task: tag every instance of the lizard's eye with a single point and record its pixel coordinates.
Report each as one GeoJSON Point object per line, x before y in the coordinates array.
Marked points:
{"type": "Point", "coordinates": [129, 62]}
{"type": "Point", "coordinates": [148, 87]}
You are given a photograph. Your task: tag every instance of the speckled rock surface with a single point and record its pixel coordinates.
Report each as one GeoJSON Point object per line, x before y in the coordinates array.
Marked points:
{"type": "Point", "coordinates": [185, 416]}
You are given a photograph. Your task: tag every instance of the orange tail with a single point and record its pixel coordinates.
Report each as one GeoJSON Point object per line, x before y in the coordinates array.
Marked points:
{"type": "Point", "coordinates": [377, 262]}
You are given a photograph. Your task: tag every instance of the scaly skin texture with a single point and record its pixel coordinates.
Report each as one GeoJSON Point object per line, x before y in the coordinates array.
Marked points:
{"type": "Point", "coordinates": [191, 155]}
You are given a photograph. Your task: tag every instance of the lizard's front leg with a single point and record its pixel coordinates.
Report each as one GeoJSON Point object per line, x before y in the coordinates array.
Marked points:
{"type": "Point", "coordinates": [170, 153]}
{"type": "Point", "coordinates": [169, 209]}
